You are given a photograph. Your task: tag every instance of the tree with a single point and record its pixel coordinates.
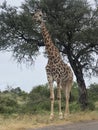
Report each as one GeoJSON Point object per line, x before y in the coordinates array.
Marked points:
{"type": "Point", "coordinates": [17, 33]}
{"type": "Point", "coordinates": [75, 28]}
{"type": "Point", "coordinates": [73, 25]}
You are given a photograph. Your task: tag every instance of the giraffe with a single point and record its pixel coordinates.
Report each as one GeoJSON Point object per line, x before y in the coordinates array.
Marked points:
{"type": "Point", "coordinates": [56, 69]}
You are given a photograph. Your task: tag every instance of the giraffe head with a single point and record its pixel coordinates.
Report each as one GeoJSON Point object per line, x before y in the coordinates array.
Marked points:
{"type": "Point", "coordinates": [38, 16]}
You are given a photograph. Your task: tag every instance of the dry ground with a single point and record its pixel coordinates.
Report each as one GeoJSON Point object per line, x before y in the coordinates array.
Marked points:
{"type": "Point", "coordinates": [22, 122]}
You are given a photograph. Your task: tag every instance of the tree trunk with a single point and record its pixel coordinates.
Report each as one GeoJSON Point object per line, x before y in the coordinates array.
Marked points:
{"type": "Point", "coordinates": [81, 83]}
{"type": "Point", "coordinates": [82, 91]}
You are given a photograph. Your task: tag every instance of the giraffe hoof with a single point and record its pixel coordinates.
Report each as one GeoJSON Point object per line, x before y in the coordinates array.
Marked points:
{"type": "Point", "coordinates": [51, 117]}
{"type": "Point", "coordinates": [60, 116]}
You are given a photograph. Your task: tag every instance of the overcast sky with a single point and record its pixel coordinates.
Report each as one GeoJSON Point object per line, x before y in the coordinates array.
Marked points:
{"type": "Point", "coordinates": [15, 75]}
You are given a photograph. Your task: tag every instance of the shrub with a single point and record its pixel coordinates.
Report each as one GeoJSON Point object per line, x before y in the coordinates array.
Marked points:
{"type": "Point", "coordinates": [93, 92]}
{"type": "Point", "coordinates": [91, 105]}
{"type": "Point", "coordinates": [7, 104]}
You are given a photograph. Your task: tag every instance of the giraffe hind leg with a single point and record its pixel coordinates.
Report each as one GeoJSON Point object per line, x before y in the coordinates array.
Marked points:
{"type": "Point", "coordinates": [67, 90]}
{"type": "Point", "coordinates": [59, 101]}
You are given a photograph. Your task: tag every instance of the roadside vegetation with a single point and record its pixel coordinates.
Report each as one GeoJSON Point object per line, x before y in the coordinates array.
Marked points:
{"type": "Point", "coordinates": [20, 110]}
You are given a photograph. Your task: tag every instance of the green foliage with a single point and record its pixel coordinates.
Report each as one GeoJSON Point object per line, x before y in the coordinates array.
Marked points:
{"type": "Point", "coordinates": [8, 104]}
{"type": "Point", "coordinates": [93, 92]}
{"type": "Point", "coordinates": [71, 23]}
{"type": "Point", "coordinates": [91, 105]}
{"type": "Point", "coordinates": [11, 100]}
{"type": "Point", "coordinates": [74, 93]}
{"type": "Point", "coordinates": [18, 28]}
{"type": "Point", "coordinates": [38, 100]}
{"type": "Point", "coordinates": [42, 90]}
{"type": "Point", "coordinates": [75, 107]}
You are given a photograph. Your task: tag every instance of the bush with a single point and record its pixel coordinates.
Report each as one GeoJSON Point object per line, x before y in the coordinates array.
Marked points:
{"type": "Point", "coordinates": [8, 104]}
{"type": "Point", "coordinates": [93, 92]}
{"type": "Point", "coordinates": [91, 105]}
{"type": "Point", "coordinates": [38, 100]}
{"type": "Point", "coordinates": [75, 107]}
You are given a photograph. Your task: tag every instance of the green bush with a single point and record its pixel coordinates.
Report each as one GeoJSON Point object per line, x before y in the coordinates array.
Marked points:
{"type": "Point", "coordinates": [93, 92]}
{"type": "Point", "coordinates": [38, 100]}
{"type": "Point", "coordinates": [8, 104]}
{"type": "Point", "coordinates": [91, 105]}
{"type": "Point", "coordinates": [74, 107]}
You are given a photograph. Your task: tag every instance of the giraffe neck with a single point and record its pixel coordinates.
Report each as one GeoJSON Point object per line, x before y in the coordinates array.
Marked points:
{"type": "Point", "coordinates": [51, 49]}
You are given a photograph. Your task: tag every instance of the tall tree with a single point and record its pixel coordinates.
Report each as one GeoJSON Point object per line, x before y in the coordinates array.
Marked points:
{"type": "Point", "coordinates": [73, 25]}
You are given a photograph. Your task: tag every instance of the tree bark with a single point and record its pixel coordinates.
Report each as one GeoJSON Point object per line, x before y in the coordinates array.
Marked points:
{"type": "Point", "coordinates": [82, 91]}
{"type": "Point", "coordinates": [83, 100]}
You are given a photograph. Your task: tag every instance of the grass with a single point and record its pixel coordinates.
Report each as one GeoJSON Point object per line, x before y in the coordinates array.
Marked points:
{"type": "Point", "coordinates": [17, 122]}
{"type": "Point", "coordinates": [22, 122]}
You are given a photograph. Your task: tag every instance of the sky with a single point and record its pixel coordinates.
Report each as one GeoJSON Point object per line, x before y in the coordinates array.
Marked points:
{"type": "Point", "coordinates": [19, 75]}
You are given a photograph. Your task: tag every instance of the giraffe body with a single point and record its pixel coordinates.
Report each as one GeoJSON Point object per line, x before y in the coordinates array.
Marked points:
{"type": "Point", "coordinates": [56, 69]}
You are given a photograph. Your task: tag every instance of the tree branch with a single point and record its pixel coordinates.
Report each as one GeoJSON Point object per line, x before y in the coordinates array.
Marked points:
{"type": "Point", "coordinates": [90, 46]}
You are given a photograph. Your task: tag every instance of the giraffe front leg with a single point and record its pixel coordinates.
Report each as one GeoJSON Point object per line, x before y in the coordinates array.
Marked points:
{"type": "Point", "coordinates": [50, 82]}
{"type": "Point", "coordinates": [52, 102]}
{"type": "Point", "coordinates": [59, 101]}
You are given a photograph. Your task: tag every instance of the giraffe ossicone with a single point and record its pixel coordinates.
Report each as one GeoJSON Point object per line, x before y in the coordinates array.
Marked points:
{"type": "Point", "coordinates": [56, 69]}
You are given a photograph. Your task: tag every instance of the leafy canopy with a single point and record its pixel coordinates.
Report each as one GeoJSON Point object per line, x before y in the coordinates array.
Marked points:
{"type": "Point", "coordinates": [73, 25]}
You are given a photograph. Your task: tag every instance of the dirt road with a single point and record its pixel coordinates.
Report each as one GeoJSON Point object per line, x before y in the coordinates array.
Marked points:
{"type": "Point", "coordinates": [90, 125]}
